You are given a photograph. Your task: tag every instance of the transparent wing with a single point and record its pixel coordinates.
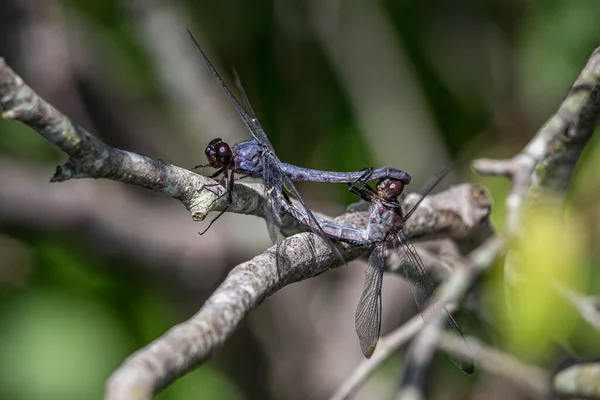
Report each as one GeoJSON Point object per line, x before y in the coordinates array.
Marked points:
{"type": "Point", "coordinates": [314, 223]}
{"type": "Point", "coordinates": [251, 123]}
{"type": "Point", "coordinates": [429, 186]}
{"type": "Point", "coordinates": [422, 288]}
{"type": "Point", "coordinates": [272, 181]}
{"type": "Point", "coordinates": [247, 104]}
{"type": "Point", "coordinates": [275, 179]}
{"type": "Point", "coordinates": [272, 172]}
{"type": "Point", "coordinates": [368, 312]}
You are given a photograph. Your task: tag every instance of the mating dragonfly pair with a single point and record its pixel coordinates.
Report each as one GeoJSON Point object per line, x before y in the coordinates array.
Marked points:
{"type": "Point", "coordinates": [256, 158]}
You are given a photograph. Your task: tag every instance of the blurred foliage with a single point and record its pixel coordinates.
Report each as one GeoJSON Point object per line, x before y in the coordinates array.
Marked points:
{"type": "Point", "coordinates": [490, 73]}
{"type": "Point", "coordinates": [536, 315]}
{"type": "Point", "coordinates": [76, 322]}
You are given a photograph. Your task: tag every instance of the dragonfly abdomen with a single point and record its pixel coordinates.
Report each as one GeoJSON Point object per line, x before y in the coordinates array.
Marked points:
{"type": "Point", "coordinates": [300, 174]}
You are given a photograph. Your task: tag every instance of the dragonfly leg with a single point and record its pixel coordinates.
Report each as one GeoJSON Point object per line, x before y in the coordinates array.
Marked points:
{"type": "Point", "coordinates": [220, 183]}
{"type": "Point", "coordinates": [366, 176]}
{"type": "Point", "coordinates": [219, 197]}
{"type": "Point", "coordinates": [365, 192]}
{"type": "Point", "coordinates": [214, 219]}
{"type": "Point", "coordinates": [201, 166]}
{"type": "Point", "coordinates": [211, 185]}
{"type": "Point", "coordinates": [228, 183]}
{"type": "Point", "coordinates": [219, 172]}
{"type": "Point", "coordinates": [360, 193]}
{"type": "Point", "coordinates": [229, 186]}
{"type": "Point", "coordinates": [362, 182]}
{"type": "Point", "coordinates": [219, 214]}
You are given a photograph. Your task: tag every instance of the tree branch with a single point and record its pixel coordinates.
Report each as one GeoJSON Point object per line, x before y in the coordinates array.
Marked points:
{"type": "Point", "coordinates": [246, 286]}
{"type": "Point", "coordinates": [112, 222]}
{"type": "Point", "coordinates": [188, 344]}
{"type": "Point", "coordinates": [587, 306]}
{"type": "Point", "coordinates": [579, 381]}
{"type": "Point", "coordinates": [549, 159]}
{"type": "Point", "coordinates": [544, 168]}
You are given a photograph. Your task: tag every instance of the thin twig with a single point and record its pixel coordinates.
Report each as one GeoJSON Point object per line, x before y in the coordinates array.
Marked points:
{"type": "Point", "coordinates": [588, 306]}
{"type": "Point", "coordinates": [542, 171]}
{"type": "Point", "coordinates": [555, 148]}
{"type": "Point", "coordinates": [112, 222]}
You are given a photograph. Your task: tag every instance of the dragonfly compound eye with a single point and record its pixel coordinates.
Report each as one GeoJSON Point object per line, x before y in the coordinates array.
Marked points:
{"type": "Point", "coordinates": [390, 189]}
{"type": "Point", "coordinates": [218, 153]}
{"type": "Point", "coordinates": [224, 154]}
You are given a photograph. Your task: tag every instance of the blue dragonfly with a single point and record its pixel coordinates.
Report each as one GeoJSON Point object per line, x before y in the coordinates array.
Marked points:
{"type": "Point", "coordinates": [256, 158]}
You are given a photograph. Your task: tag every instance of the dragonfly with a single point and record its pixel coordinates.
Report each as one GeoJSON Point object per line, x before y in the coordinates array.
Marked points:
{"type": "Point", "coordinates": [385, 227]}
{"type": "Point", "coordinates": [256, 158]}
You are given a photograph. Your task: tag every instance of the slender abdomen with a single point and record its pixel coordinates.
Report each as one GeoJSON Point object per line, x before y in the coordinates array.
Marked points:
{"type": "Point", "coordinates": [299, 174]}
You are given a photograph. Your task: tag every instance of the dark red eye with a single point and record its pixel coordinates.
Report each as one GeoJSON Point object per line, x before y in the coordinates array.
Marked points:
{"type": "Point", "coordinates": [218, 153]}
{"type": "Point", "coordinates": [215, 141]}
{"type": "Point", "coordinates": [223, 153]}
{"type": "Point", "coordinates": [389, 189]}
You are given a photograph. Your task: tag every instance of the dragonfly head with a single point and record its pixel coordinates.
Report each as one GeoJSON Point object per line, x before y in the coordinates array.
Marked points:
{"type": "Point", "coordinates": [219, 153]}
{"type": "Point", "coordinates": [389, 189]}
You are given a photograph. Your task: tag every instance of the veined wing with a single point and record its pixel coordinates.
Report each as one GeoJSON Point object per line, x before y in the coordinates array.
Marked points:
{"type": "Point", "coordinates": [272, 181]}
{"type": "Point", "coordinates": [251, 123]}
{"type": "Point", "coordinates": [272, 171]}
{"type": "Point", "coordinates": [258, 128]}
{"type": "Point", "coordinates": [429, 186]}
{"type": "Point", "coordinates": [368, 312]}
{"type": "Point", "coordinates": [422, 288]}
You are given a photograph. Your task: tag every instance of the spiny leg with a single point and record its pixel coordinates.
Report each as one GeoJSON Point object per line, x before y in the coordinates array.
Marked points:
{"type": "Point", "coordinates": [365, 192]}
{"type": "Point", "coordinates": [365, 177]}
{"type": "Point", "coordinates": [220, 183]}
{"type": "Point", "coordinates": [228, 181]}
{"type": "Point", "coordinates": [228, 189]}
{"type": "Point", "coordinates": [362, 180]}
{"type": "Point", "coordinates": [201, 166]}
{"type": "Point", "coordinates": [214, 219]}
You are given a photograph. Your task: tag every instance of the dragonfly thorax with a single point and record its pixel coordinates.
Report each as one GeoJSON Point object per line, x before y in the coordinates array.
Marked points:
{"type": "Point", "coordinates": [219, 154]}
{"type": "Point", "coordinates": [384, 221]}
{"type": "Point", "coordinates": [248, 158]}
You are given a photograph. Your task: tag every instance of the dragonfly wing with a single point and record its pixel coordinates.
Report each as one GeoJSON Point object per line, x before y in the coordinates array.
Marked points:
{"type": "Point", "coordinates": [368, 312]}
{"type": "Point", "coordinates": [429, 186]}
{"type": "Point", "coordinates": [272, 172]}
{"type": "Point", "coordinates": [272, 180]}
{"type": "Point", "coordinates": [258, 132]}
{"type": "Point", "coordinates": [251, 123]}
{"type": "Point", "coordinates": [422, 288]}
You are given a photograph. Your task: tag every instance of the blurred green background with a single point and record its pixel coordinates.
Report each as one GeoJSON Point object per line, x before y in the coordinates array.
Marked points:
{"type": "Point", "coordinates": [90, 271]}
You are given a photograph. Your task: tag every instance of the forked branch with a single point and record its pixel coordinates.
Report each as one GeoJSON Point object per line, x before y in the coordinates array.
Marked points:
{"type": "Point", "coordinates": [190, 343]}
